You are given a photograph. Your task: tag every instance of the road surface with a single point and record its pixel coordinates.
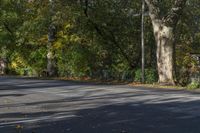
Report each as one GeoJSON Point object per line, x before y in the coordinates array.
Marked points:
{"type": "Point", "coordinates": [51, 106]}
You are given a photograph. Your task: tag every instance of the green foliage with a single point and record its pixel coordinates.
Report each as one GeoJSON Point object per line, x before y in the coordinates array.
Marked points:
{"type": "Point", "coordinates": [91, 40]}
{"type": "Point", "coordinates": [150, 75]}
{"type": "Point", "coordinates": [138, 74]}
{"type": "Point", "coordinates": [183, 76]}
{"type": "Point", "coordinates": [127, 75]}
{"type": "Point", "coordinates": [187, 42]}
{"type": "Point", "coordinates": [193, 85]}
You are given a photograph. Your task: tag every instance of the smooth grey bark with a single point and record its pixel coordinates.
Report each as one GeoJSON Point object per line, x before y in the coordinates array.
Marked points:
{"type": "Point", "coordinates": [163, 27]}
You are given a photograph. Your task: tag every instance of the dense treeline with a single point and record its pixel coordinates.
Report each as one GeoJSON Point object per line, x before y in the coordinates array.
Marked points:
{"type": "Point", "coordinates": [99, 38]}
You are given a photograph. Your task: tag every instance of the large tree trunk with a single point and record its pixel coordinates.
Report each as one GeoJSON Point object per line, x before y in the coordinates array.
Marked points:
{"type": "Point", "coordinates": [164, 39]}
{"type": "Point", "coordinates": [163, 27]}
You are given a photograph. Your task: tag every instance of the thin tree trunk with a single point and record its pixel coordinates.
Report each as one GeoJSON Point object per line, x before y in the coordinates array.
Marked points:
{"type": "Point", "coordinates": [51, 64]}
{"type": "Point", "coordinates": [3, 66]}
{"type": "Point", "coordinates": [3, 61]}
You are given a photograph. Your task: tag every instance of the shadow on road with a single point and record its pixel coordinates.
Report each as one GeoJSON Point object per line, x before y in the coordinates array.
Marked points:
{"type": "Point", "coordinates": [124, 118]}
{"type": "Point", "coordinates": [113, 109]}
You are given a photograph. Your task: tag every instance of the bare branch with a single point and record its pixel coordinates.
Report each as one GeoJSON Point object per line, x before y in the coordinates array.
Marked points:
{"type": "Point", "coordinates": [7, 28]}
{"type": "Point", "coordinates": [173, 15]}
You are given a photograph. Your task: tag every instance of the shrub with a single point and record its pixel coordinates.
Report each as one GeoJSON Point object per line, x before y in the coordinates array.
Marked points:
{"type": "Point", "coordinates": [183, 76]}
{"type": "Point", "coordinates": [193, 85]}
{"type": "Point", "coordinates": [127, 76]}
{"type": "Point", "coordinates": [137, 76]}
{"type": "Point", "coordinates": [150, 75]}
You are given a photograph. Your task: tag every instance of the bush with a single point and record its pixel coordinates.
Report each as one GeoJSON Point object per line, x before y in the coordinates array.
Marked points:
{"type": "Point", "coordinates": [183, 76]}
{"type": "Point", "coordinates": [127, 76]}
{"type": "Point", "coordinates": [150, 75]}
{"type": "Point", "coordinates": [193, 85]}
{"type": "Point", "coordinates": [137, 76]}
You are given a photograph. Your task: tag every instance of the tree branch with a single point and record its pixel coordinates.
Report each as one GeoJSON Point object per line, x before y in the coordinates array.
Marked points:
{"type": "Point", "coordinates": [154, 10]}
{"type": "Point", "coordinates": [8, 28]}
{"type": "Point", "coordinates": [173, 15]}
{"type": "Point", "coordinates": [102, 33]}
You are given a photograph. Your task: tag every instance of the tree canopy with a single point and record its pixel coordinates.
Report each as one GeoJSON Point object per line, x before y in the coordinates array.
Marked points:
{"type": "Point", "coordinates": [100, 38]}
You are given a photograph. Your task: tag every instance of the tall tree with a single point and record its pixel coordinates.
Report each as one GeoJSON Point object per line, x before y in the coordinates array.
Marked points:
{"type": "Point", "coordinates": [164, 28]}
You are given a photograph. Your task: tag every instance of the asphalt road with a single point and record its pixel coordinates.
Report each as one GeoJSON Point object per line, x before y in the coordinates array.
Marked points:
{"type": "Point", "coordinates": [50, 106]}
